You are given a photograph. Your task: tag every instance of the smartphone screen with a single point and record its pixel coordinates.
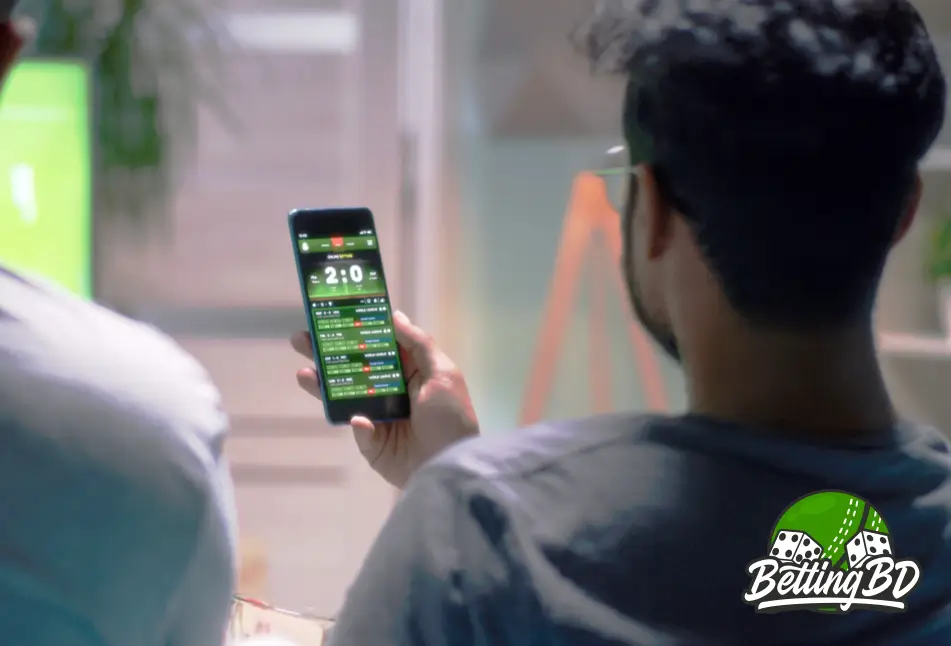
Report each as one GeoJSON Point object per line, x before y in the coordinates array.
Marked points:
{"type": "Point", "coordinates": [349, 314]}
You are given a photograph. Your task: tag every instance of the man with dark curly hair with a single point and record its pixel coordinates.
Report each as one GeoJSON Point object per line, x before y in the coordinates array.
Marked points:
{"type": "Point", "coordinates": [774, 150]}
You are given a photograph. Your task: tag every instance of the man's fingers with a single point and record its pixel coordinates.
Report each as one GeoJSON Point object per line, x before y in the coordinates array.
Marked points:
{"type": "Point", "coordinates": [416, 343]}
{"type": "Point", "coordinates": [364, 435]}
{"type": "Point", "coordinates": [300, 341]}
{"type": "Point", "coordinates": [308, 380]}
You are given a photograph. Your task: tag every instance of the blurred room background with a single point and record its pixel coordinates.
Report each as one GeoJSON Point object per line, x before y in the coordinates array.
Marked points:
{"type": "Point", "coordinates": [152, 152]}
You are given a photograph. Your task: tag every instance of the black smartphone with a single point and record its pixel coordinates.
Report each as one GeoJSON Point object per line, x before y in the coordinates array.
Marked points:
{"type": "Point", "coordinates": [349, 314]}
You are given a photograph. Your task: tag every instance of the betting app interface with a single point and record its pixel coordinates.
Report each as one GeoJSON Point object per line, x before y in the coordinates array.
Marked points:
{"type": "Point", "coordinates": [353, 323]}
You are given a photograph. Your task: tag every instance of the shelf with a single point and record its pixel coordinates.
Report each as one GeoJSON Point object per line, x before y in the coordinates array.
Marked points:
{"type": "Point", "coordinates": [300, 32]}
{"type": "Point", "coordinates": [913, 345]}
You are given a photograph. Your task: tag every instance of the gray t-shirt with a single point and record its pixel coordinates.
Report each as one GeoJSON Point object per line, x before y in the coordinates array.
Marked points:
{"type": "Point", "coordinates": [116, 508]}
{"type": "Point", "coordinates": [633, 529]}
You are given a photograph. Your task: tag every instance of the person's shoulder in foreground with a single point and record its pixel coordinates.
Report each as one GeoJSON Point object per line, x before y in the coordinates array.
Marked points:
{"type": "Point", "coordinates": [115, 502]}
{"type": "Point", "coordinates": [630, 529]}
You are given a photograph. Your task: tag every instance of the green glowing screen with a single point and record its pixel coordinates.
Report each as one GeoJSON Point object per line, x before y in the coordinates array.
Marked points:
{"type": "Point", "coordinates": [46, 173]}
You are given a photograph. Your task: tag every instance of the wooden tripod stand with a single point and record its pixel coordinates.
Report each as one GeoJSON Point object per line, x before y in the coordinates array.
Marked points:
{"type": "Point", "coordinates": [591, 223]}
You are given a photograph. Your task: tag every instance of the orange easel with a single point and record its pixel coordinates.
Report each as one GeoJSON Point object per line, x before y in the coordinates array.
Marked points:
{"type": "Point", "coordinates": [590, 222]}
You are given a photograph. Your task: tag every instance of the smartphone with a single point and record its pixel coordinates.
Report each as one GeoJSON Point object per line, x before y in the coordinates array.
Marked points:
{"type": "Point", "coordinates": [349, 314]}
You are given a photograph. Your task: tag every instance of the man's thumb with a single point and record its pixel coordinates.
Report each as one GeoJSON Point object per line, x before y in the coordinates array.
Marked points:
{"type": "Point", "coordinates": [413, 340]}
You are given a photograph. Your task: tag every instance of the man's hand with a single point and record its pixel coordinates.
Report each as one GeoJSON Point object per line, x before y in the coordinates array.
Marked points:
{"type": "Point", "coordinates": [441, 411]}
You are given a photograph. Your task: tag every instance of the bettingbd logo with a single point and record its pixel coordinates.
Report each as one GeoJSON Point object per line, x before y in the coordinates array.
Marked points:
{"type": "Point", "coordinates": [830, 552]}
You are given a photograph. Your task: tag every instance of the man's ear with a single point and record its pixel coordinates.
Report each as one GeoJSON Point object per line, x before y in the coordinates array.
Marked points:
{"type": "Point", "coordinates": [655, 213]}
{"type": "Point", "coordinates": [911, 210]}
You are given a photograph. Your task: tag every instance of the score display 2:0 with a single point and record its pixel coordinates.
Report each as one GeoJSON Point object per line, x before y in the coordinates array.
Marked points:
{"type": "Point", "coordinates": [332, 277]}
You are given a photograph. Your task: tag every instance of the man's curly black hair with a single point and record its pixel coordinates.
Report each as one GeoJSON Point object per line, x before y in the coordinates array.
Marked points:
{"type": "Point", "coordinates": [787, 132]}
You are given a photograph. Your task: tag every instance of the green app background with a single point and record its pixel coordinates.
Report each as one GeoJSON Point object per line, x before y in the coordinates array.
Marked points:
{"type": "Point", "coordinates": [45, 126]}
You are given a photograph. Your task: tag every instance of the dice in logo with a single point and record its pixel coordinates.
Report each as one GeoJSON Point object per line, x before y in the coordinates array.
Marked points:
{"type": "Point", "coordinates": [876, 543]}
{"type": "Point", "coordinates": [785, 546]}
{"type": "Point", "coordinates": [866, 545]}
{"type": "Point", "coordinates": [809, 550]}
{"type": "Point", "coordinates": [856, 551]}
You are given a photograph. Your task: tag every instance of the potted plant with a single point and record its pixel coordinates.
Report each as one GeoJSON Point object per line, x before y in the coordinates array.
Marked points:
{"type": "Point", "coordinates": [939, 268]}
{"type": "Point", "coordinates": [155, 65]}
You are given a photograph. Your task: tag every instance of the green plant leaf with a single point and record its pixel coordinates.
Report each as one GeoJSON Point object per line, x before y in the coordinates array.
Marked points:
{"type": "Point", "coordinates": [156, 65]}
{"type": "Point", "coordinates": [938, 256]}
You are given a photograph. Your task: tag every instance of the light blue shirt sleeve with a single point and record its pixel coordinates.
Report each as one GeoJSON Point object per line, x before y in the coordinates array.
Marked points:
{"type": "Point", "coordinates": [116, 508]}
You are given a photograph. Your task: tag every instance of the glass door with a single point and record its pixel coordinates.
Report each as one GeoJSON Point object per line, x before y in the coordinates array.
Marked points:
{"type": "Point", "coordinates": [314, 87]}
{"type": "Point", "coordinates": [533, 313]}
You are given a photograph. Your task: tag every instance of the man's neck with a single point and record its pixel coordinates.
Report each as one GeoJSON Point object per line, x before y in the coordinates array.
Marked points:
{"type": "Point", "coordinates": [828, 383]}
